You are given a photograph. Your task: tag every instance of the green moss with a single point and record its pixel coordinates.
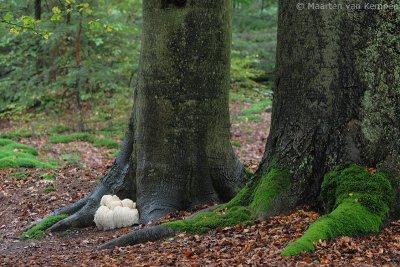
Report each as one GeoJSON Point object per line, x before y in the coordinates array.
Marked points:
{"type": "Point", "coordinates": [5, 153]}
{"type": "Point", "coordinates": [21, 148]}
{"type": "Point", "coordinates": [8, 163]}
{"type": "Point", "coordinates": [14, 155]}
{"type": "Point", "coordinates": [105, 142]}
{"type": "Point", "coordinates": [16, 135]}
{"type": "Point", "coordinates": [19, 175]}
{"type": "Point", "coordinates": [254, 118]}
{"type": "Point", "coordinates": [49, 189]}
{"type": "Point", "coordinates": [48, 176]}
{"type": "Point", "coordinates": [38, 230]}
{"type": "Point", "coordinates": [58, 129]}
{"type": "Point", "coordinates": [257, 108]}
{"type": "Point", "coordinates": [206, 221]}
{"type": "Point", "coordinates": [236, 143]}
{"type": "Point", "coordinates": [270, 185]}
{"type": "Point", "coordinates": [67, 138]}
{"type": "Point", "coordinates": [32, 163]}
{"type": "Point", "coordinates": [360, 202]}
{"type": "Point", "coordinates": [248, 172]}
{"type": "Point", "coordinates": [4, 141]}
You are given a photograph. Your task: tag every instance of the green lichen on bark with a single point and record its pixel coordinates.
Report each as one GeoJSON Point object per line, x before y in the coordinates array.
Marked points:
{"type": "Point", "coordinates": [358, 202]}
{"type": "Point", "coordinates": [378, 65]}
{"type": "Point", "coordinates": [254, 198]}
{"type": "Point", "coordinates": [38, 230]}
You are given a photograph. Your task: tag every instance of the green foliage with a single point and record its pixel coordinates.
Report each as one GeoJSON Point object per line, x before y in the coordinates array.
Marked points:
{"type": "Point", "coordinates": [68, 138]}
{"type": "Point", "coordinates": [21, 148]}
{"type": "Point", "coordinates": [359, 202]}
{"type": "Point", "coordinates": [59, 129]}
{"type": "Point", "coordinates": [104, 142]}
{"type": "Point", "coordinates": [4, 141]}
{"type": "Point", "coordinates": [16, 135]}
{"type": "Point", "coordinates": [19, 175]}
{"type": "Point", "coordinates": [254, 118]}
{"type": "Point", "coordinates": [236, 143]}
{"type": "Point", "coordinates": [40, 73]}
{"type": "Point", "coordinates": [257, 108]}
{"type": "Point", "coordinates": [71, 159]}
{"type": "Point", "coordinates": [49, 189]}
{"type": "Point", "coordinates": [14, 155]}
{"type": "Point", "coordinates": [38, 230]}
{"type": "Point", "coordinates": [48, 176]}
{"type": "Point", "coordinates": [206, 221]}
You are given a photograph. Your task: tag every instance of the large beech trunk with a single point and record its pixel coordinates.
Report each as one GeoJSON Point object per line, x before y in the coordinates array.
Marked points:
{"type": "Point", "coordinates": [337, 95]}
{"type": "Point", "coordinates": [176, 152]}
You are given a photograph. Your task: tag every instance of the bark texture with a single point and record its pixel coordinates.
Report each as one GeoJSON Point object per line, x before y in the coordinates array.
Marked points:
{"type": "Point", "coordinates": [337, 95]}
{"type": "Point", "coordinates": [177, 152]}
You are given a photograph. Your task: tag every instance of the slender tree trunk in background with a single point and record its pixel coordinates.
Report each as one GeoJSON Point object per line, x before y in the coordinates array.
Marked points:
{"type": "Point", "coordinates": [78, 43]}
{"type": "Point", "coordinates": [337, 96]}
{"type": "Point", "coordinates": [38, 9]}
{"type": "Point", "coordinates": [39, 56]}
{"type": "Point", "coordinates": [177, 152]}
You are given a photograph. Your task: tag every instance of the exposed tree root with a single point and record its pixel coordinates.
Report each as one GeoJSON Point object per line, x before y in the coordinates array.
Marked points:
{"type": "Point", "coordinates": [153, 233]}
{"type": "Point", "coordinates": [256, 197]}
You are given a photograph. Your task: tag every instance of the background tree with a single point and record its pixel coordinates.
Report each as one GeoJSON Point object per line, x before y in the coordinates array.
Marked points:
{"type": "Point", "coordinates": [176, 153]}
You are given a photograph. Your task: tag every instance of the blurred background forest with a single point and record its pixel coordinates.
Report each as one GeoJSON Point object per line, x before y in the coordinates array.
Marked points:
{"type": "Point", "coordinates": [79, 72]}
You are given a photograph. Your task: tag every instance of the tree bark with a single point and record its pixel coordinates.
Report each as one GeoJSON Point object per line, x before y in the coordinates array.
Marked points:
{"type": "Point", "coordinates": [177, 152]}
{"type": "Point", "coordinates": [337, 95]}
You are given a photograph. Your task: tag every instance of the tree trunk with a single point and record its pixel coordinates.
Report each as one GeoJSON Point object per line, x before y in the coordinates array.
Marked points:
{"type": "Point", "coordinates": [177, 152]}
{"type": "Point", "coordinates": [38, 9]}
{"type": "Point", "coordinates": [337, 95]}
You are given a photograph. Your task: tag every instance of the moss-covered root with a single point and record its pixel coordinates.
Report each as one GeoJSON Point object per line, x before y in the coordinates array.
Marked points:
{"type": "Point", "coordinates": [38, 230]}
{"type": "Point", "coordinates": [349, 218]}
{"type": "Point", "coordinates": [360, 201]}
{"type": "Point", "coordinates": [203, 222]}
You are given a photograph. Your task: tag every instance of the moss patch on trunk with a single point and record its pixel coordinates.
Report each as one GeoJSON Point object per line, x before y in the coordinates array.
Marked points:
{"type": "Point", "coordinates": [358, 202]}
{"type": "Point", "coordinates": [38, 230]}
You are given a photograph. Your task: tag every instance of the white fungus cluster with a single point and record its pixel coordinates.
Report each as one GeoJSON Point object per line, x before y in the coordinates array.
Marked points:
{"type": "Point", "coordinates": [115, 213]}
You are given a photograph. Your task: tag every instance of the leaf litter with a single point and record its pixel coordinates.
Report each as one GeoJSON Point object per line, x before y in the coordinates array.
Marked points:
{"type": "Point", "coordinates": [23, 200]}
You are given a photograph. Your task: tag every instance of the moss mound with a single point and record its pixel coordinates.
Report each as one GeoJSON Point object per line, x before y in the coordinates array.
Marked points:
{"type": "Point", "coordinates": [359, 202]}
{"type": "Point", "coordinates": [105, 142]}
{"type": "Point", "coordinates": [15, 155]}
{"type": "Point", "coordinates": [68, 138]}
{"type": "Point", "coordinates": [4, 142]}
{"type": "Point", "coordinates": [38, 230]}
{"type": "Point", "coordinates": [254, 198]}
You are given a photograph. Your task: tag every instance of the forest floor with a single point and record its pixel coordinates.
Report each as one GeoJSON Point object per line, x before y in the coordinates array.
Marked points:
{"type": "Point", "coordinates": [27, 195]}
